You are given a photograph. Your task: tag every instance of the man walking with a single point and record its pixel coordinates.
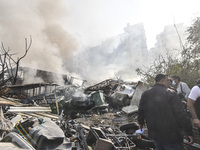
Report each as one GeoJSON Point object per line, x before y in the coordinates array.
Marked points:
{"type": "Point", "coordinates": [161, 110]}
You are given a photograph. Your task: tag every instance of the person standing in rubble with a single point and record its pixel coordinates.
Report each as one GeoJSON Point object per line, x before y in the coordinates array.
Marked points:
{"type": "Point", "coordinates": [193, 104]}
{"type": "Point", "coordinates": [160, 108]}
{"type": "Point", "coordinates": [182, 88]}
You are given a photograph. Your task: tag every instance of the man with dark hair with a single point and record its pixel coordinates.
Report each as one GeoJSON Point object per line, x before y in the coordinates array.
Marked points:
{"type": "Point", "coordinates": [182, 88]}
{"type": "Point", "coordinates": [159, 77]}
{"type": "Point", "coordinates": [161, 110]}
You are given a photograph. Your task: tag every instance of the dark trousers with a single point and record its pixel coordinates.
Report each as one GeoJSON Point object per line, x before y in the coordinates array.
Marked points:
{"type": "Point", "coordinates": [167, 146]}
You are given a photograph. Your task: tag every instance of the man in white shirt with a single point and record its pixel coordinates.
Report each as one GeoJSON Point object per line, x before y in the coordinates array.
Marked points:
{"type": "Point", "coordinates": [193, 104]}
{"type": "Point", "coordinates": [181, 87]}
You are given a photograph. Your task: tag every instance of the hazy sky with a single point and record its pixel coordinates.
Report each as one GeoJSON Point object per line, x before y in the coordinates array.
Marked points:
{"type": "Point", "coordinates": [92, 21]}
{"type": "Point", "coordinates": [59, 28]}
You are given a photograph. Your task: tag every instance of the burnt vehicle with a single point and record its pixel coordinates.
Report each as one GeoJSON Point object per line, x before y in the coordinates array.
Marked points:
{"type": "Point", "coordinates": [117, 92]}
{"type": "Point", "coordinates": [81, 103]}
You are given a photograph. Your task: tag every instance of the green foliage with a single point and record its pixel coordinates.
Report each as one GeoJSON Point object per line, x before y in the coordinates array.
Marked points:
{"type": "Point", "coordinates": [194, 35]}
{"type": "Point", "coordinates": [186, 66]}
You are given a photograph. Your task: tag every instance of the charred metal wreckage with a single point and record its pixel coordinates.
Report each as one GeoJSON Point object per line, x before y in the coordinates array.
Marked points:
{"type": "Point", "coordinates": [49, 116]}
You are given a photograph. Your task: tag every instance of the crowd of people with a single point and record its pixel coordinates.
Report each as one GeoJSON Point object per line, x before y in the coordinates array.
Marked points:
{"type": "Point", "coordinates": [161, 110]}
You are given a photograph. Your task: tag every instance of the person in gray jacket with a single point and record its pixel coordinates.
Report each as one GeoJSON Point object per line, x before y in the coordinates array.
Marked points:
{"type": "Point", "coordinates": [160, 108]}
{"type": "Point", "coordinates": [182, 88]}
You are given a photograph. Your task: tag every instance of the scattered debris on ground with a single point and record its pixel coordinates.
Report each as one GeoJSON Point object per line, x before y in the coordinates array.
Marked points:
{"type": "Point", "coordinates": [49, 116]}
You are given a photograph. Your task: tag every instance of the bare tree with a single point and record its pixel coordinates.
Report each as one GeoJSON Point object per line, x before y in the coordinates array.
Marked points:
{"type": "Point", "coordinates": [7, 61]}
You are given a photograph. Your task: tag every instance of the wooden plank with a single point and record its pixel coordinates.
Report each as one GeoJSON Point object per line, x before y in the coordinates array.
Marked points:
{"type": "Point", "coordinates": [38, 115]}
{"type": "Point", "coordinates": [29, 109]}
{"type": "Point", "coordinates": [49, 115]}
{"type": "Point", "coordinates": [35, 115]}
{"type": "Point", "coordinates": [4, 101]}
{"type": "Point", "coordinates": [41, 116]}
{"type": "Point", "coordinates": [23, 115]}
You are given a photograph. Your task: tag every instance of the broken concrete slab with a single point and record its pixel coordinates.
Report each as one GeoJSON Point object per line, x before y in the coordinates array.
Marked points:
{"type": "Point", "coordinates": [130, 109]}
{"type": "Point", "coordinates": [140, 88]}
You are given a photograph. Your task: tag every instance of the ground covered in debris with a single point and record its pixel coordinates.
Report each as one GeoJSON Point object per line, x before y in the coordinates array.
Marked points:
{"type": "Point", "coordinates": [117, 119]}
{"type": "Point", "coordinates": [48, 116]}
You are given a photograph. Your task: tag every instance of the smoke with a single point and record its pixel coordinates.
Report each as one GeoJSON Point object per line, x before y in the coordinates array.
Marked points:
{"type": "Point", "coordinates": [43, 20]}
{"type": "Point", "coordinates": [55, 49]}
{"type": "Point", "coordinates": [117, 57]}
{"type": "Point", "coordinates": [31, 77]}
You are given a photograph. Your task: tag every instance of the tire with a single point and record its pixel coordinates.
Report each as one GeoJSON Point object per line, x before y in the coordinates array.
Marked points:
{"type": "Point", "coordinates": [130, 127]}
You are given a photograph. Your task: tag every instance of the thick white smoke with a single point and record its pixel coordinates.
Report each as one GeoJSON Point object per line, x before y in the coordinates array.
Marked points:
{"type": "Point", "coordinates": [55, 49]}
{"type": "Point", "coordinates": [117, 57]}
{"type": "Point", "coordinates": [43, 21]}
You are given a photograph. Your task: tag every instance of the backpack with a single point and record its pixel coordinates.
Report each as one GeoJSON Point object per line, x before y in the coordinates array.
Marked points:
{"type": "Point", "coordinates": [182, 94]}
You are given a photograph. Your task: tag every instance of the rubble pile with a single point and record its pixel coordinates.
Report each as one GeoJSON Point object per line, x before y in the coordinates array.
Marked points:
{"type": "Point", "coordinates": [49, 116]}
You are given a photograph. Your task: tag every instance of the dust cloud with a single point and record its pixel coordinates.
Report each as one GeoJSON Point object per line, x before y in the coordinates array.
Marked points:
{"type": "Point", "coordinates": [43, 20]}
{"type": "Point", "coordinates": [55, 49]}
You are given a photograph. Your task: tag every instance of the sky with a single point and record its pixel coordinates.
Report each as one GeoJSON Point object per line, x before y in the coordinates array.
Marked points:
{"type": "Point", "coordinates": [92, 21]}
{"type": "Point", "coordinates": [60, 28]}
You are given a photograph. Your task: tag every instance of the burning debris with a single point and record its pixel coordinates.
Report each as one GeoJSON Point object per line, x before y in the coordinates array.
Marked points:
{"type": "Point", "coordinates": [50, 116]}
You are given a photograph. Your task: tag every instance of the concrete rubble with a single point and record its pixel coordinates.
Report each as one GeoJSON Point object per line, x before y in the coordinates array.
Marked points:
{"type": "Point", "coordinates": [48, 116]}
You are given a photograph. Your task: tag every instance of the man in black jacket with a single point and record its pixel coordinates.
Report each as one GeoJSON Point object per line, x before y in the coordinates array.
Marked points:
{"type": "Point", "coordinates": [162, 111]}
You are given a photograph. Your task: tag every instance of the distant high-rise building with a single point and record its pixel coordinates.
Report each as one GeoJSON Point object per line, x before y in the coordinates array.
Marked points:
{"type": "Point", "coordinates": [119, 55]}
{"type": "Point", "coordinates": [170, 41]}
{"type": "Point", "coordinates": [128, 48]}
{"type": "Point", "coordinates": [136, 43]}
